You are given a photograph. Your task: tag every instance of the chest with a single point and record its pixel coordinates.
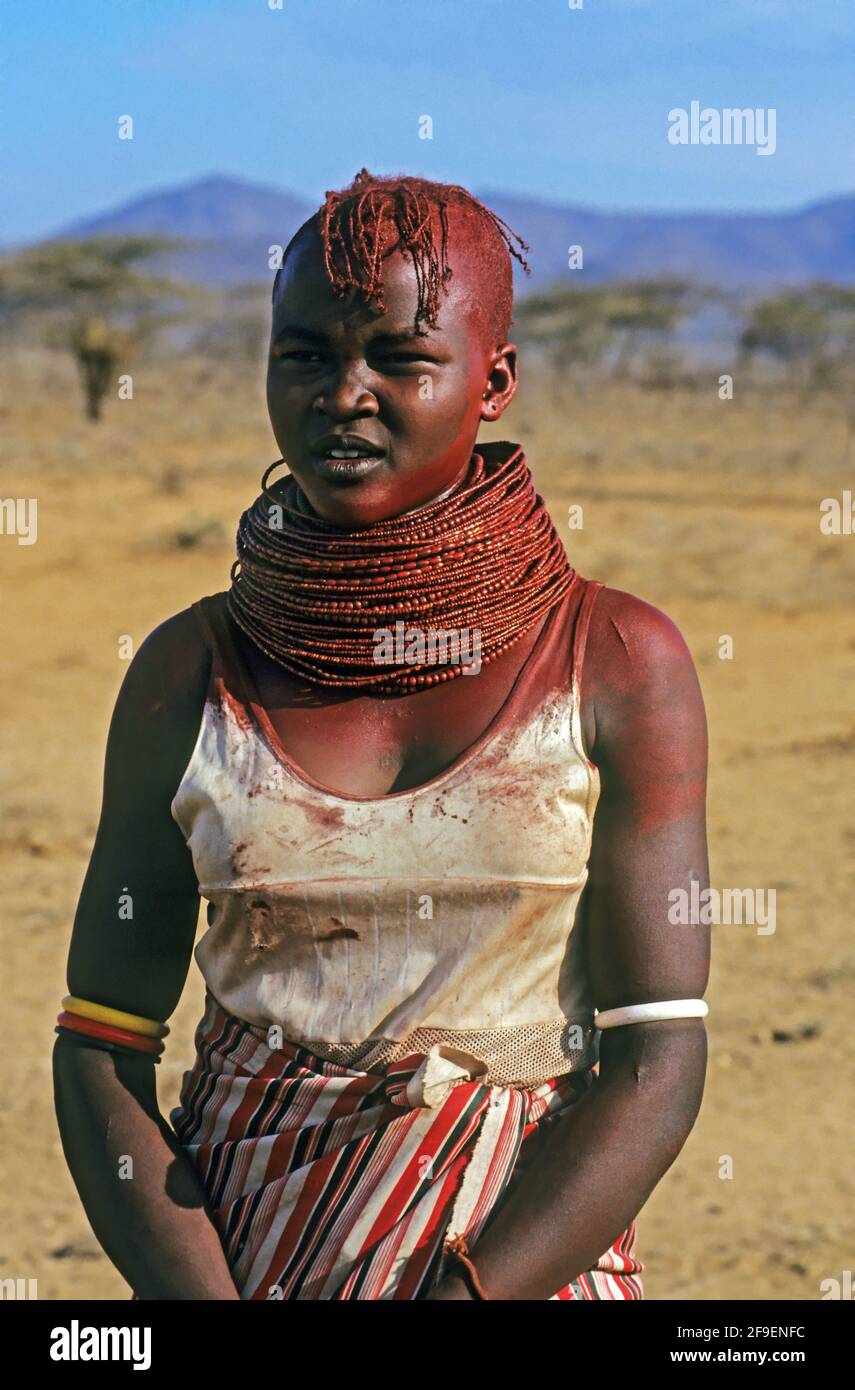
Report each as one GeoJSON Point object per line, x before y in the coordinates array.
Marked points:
{"type": "Point", "coordinates": [367, 747]}
{"type": "Point", "coordinates": [517, 806]}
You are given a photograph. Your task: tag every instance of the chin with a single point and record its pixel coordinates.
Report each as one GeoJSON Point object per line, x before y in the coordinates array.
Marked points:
{"type": "Point", "coordinates": [351, 505]}
{"type": "Point", "coordinates": [355, 518]}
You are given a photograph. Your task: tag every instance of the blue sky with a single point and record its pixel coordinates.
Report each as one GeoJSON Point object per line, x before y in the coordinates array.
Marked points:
{"type": "Point", "coordinates": [525, 95]}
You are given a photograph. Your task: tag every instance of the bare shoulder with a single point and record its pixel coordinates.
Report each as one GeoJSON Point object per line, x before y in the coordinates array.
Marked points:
{"type": "Point", "coordinates": [172, 657]}
{"type": "Point", "coordinates": [159, 705]}
{"type": "Point", "coordinates": [638, 669]}
{"type": "Point", "coordinates": [630, 635]}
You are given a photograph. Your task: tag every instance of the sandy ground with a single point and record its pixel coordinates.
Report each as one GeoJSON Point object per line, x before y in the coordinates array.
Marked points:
{"type": "Point", "coordinates": [708, 509]}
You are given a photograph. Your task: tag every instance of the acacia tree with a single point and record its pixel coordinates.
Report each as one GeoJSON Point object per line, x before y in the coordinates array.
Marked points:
{"type": "Point", "coordinates": [642, 314]}
{"type": "Point", "coordinates": [90, 298]}
{"type": "Point", "coordinates": [600, 327]}
{"type": "Point", "coordinates": [235, 325]}
{"type": "Point", "coordinates": [810, 332]}
{"type": "Point", "coordinates": [566, 324]}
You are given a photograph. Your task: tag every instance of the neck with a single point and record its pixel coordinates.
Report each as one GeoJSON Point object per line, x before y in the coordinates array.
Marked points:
{"type": "Point", "coordinates": [459, 481]}
{"type": "Point", "coordinates": [327, 606]}
{"type": "Point", "coordinates": [304, 505]}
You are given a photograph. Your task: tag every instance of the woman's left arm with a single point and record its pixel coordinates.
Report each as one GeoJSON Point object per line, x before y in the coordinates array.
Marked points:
{"type": "Point", "coordinates": [645, 727]}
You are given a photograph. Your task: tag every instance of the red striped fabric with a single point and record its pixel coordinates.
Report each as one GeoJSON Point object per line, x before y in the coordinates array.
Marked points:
{"type": "Point", "coordinates": [330, 1183]}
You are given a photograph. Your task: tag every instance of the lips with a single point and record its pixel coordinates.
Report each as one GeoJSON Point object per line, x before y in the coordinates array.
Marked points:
{"type": "Point", "coordinates": [341, 448]}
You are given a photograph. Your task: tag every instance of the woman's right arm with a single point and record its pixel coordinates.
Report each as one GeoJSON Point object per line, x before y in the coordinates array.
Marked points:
{"type": "Point", "coordinates": [148, 1214]}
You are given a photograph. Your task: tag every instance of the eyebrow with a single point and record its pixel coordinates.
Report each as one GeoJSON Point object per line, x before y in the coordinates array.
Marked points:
{"type": "Point", "coordinates": [310, 335]}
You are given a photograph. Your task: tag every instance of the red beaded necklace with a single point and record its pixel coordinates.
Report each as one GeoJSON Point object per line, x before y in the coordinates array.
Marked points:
{"type": "Point", "coordinates": [485, 558]}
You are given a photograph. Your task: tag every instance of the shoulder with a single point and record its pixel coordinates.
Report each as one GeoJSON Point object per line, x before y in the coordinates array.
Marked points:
{"type": "Point", "coordinates": [161, 697]}
{"type": "Point", "coordinates": [638, 674]}
{"type": "Point", "coordinates": [174, 657]}
{"type": "Point", "coordinates": [627, 634]}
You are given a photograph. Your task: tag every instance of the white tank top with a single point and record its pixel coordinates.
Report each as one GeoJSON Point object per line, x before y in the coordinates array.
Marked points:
{"type": "Point", "coordinates": [370, 928]}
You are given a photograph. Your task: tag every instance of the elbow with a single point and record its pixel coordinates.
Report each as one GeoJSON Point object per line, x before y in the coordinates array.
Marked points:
{"type": "Point", "coordinates": [89, 1084]}
{"type": "Point", "coordinates": [663, 1067]}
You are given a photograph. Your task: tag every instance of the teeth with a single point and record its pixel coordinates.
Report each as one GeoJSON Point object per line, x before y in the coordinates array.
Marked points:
{"type": "Point", "coordinates": [346, 454]}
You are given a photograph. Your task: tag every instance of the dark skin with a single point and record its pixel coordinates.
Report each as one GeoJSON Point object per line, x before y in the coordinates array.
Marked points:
{"type": "Point", "coordinates": [338, 366]}
{"type": "Point", "coordinates": [644, 727]}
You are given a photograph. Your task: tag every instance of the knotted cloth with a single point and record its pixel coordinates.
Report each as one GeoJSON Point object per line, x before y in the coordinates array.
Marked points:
{"type": "Point", "coordinates": [330, 1183]}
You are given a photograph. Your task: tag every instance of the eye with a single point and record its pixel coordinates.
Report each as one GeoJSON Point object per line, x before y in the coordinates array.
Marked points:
{"type": "Point", "coordinates": [406, 358]}
{"type": "Point", "coordinates": [304, 356]}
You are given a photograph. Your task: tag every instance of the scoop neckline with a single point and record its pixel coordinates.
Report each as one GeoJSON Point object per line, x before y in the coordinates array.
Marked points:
{"type": "Point", "coordinates": [251, 697]}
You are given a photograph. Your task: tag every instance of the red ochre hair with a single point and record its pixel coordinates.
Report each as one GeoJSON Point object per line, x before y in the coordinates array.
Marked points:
{"type": "Point", "coordinates": [362, 224]}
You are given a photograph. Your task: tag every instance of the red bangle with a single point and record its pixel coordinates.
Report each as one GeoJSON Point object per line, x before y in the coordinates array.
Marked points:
{"type": "Point", "coordinates": [94, 1029]}
{"type": "Point", "coordinates": [83, 1042]}
{"type": "Point", "coordinates": [459, 1250]}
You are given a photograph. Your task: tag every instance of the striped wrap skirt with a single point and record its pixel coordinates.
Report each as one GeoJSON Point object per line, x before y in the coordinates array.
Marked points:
{"type": "Point", "coordinates": [329, 1183]}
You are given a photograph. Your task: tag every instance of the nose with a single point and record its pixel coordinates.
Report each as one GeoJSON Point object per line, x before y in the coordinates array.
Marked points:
{"type": "Point", "coordinates": [346, 395]}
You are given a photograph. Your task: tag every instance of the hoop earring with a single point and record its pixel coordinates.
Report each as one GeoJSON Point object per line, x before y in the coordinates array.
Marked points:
{"type": "Point", "coordinates": [268, 492]}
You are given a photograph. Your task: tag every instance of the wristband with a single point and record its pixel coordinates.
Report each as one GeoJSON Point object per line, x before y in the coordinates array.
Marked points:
{"type": "Point", "coordinates": [102, 1013]}
{"type": "Point", "coordinates": [93, 1029]}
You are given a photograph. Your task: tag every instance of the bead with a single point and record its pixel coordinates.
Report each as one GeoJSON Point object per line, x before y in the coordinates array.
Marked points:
{"type": "Point", "coordinates": [311, 596]}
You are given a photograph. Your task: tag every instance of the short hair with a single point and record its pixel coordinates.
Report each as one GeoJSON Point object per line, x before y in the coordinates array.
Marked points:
{"type": "Point", "coordinates": [359, 226]}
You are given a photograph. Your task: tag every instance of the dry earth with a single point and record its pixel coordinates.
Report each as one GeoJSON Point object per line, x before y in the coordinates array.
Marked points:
{"type": "Point", "coordinates": [708, 509]}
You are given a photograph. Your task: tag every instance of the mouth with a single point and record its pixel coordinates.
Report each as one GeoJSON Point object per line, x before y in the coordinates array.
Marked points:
{"type": "Point", "coordinates": [344, 456]}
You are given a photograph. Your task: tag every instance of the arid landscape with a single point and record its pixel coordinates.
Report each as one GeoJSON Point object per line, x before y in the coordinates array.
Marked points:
{"type": "Point", "coordinates": [709, 509]}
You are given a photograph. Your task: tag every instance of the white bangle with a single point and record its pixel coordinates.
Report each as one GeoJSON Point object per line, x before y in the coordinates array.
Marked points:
{"type": "Point", "coordinates": [648, 1013]}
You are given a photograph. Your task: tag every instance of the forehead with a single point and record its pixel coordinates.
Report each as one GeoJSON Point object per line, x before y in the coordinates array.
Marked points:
{"type": "Point", "coordinates": [305, 295]}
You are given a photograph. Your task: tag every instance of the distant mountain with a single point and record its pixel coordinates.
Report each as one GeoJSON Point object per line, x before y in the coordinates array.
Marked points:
{"type": "Point", "coordinates": [238, 221]}
{"type": "Point", "coordinates": [726, 249]}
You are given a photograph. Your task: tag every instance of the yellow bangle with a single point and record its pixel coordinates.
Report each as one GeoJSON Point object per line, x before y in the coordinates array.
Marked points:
{"type": "Point", "coordinates": [149, 1027]}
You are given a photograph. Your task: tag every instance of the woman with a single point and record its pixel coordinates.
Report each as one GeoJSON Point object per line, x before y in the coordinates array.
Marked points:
{"type": "Point", "coordinates": [395, 1092]}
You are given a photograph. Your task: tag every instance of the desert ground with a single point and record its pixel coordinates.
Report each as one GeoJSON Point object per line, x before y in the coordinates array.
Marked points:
{"type": "Point", "coordinates": [708, 509]}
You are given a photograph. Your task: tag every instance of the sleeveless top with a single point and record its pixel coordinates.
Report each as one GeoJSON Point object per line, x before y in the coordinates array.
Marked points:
{"type": "Point", "coordinates": [371, 928]}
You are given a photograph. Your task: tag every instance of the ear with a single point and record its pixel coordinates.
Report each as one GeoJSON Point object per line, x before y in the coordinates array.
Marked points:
{"type": "Point", "coordinates": [501, 383]}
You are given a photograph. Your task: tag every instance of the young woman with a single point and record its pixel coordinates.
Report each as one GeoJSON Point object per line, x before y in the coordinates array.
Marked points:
{"type": "Point", "coordinates": [403, 1087]}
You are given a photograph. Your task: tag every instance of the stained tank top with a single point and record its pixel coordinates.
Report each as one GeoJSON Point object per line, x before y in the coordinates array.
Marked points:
{"type": "Point", "coordinates": [371, 928]}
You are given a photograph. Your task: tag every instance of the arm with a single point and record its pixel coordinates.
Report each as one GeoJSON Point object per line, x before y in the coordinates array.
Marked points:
{"type": "Point", "coordinates": [153, 1225]}
{"type": "Point", "coordinates": [645, 728]}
